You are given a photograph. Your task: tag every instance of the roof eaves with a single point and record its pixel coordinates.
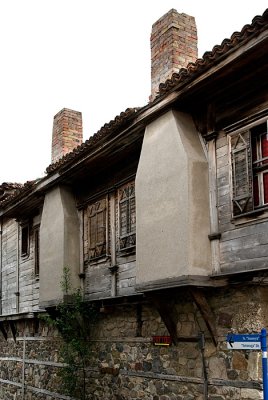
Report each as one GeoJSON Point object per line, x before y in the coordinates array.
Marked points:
{"type": "Point", "coordinates": [259, 23]}
{"type": "Point", "coordinates": [106, 131]}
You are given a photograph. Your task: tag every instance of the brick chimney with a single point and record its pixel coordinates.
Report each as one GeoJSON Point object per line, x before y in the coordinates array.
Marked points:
{"type": "Point", "coordinates": [67, 133]}
{"type": "Point", "coordinates": [173, 46]}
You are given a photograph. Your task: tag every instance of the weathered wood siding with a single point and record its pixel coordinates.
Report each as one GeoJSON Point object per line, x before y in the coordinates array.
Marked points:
{"type": "Point", "coordinates": [99, 278]}
{"type": "Point", "coordinates": [244, 241]}
{"type": "Point", "coordinates": [20, 286]}
{"type": "Point", "coordinates": [9, 266]}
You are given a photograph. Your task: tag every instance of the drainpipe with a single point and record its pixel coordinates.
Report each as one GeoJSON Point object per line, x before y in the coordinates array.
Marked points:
{"type": "Point", "coordinates": [1, 262]}
{"type": "Point", "coordinates": [17, 293]}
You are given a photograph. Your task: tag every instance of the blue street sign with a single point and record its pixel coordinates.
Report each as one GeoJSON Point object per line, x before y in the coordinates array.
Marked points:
{"type": "Point", "coordinates": [255, 341]}
{"type": "Point", "coordinates": [243, 341]}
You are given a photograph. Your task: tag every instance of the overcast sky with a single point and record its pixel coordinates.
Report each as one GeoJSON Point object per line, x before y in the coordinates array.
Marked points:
{"type": "Point", "coordinates": [91, 56]}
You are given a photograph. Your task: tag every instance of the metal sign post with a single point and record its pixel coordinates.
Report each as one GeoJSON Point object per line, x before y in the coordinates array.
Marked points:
{"type": "Point", "coordinates": [264, 364]}
{"type": "Point", "coordinates": [254, 341]}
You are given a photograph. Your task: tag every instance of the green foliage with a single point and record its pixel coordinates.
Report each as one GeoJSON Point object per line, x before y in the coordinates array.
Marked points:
{"type": "Point", "coordinates": [65, 283]}
{"type": "Point", "coordinates": [73, 318]}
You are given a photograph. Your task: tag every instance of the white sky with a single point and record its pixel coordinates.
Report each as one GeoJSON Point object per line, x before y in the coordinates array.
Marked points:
{"type": "Point", "coordinates": [91, 56]}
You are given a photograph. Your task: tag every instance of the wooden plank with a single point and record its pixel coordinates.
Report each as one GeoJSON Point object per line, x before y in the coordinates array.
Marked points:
{"type": "Point", "coordinates": [206, 312]}
{"type": "Point", "coordinates": [13, 329]}
{"type": "Point", "coordinates": [166, 312]}
{"type": "Point", "coordinates": [3, 330]}
{"type": "Point", "coordinates": [245, 265]}
{"type": "Point", "coordinates": [261, 227]}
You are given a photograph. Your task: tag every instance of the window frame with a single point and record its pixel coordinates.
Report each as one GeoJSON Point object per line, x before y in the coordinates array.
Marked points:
{"type": "Point", "coordinates": [25, 240]}
{"type": "Point", "coordinates": [89, 216]}
{"type": "Point", "coordinates": [259, 165]}
{"type": "Point", "coordinates": [127, 240]}
{"type": "Point", "coordinates": [36, 240]}
{"type": "Point", "coordinates": [251, 170]}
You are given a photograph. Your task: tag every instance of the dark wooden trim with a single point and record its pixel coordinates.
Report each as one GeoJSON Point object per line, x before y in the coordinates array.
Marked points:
{"type": "Point", "coordinates": [166, 312]}
{"type": "Point", "coordinates": [182, 281]}
{"type": "Point", "coordinates": [2, 329]}
{"type": "Point", "coordinates": [13, 329]}
{"type": "Point", "coordinates": [206, 312]}
{"type": "Point", "coordinates": [214, 236]}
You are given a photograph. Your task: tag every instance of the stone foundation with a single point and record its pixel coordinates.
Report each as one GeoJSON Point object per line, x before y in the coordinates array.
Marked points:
{"type": "Point", "coordinates": [126, 365]}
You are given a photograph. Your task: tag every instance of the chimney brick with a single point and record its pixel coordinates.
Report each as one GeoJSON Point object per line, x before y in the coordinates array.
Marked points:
{"type": "Point", "coordinates": [67, 133]}
{"type": "Point", "coordinates": [173, 46]}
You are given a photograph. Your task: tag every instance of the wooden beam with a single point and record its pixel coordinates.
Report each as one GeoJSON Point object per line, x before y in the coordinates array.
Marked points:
{"type": "Point", "coordinates": [166, 312]}
{"type": "Point", "coordinates": [13, 329]}
{"type": "Point", "coordinates": [2, 329]}
{"type": "Point", "coordinates": [206, 312]}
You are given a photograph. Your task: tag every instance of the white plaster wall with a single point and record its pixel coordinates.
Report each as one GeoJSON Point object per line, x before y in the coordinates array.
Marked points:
{"type": "Point", "coordinates": [59, 244]}
{"type": "Point", "coordinates": [172, 201]}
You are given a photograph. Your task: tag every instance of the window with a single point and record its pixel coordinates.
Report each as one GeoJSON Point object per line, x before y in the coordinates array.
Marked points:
{"type": "Point", "coordinates": [249, 150]}
{"type": "Point", "coordinates": [96, 214]}
{"type": "Point", "coordinates": [127, 216]}
{"type": "Point", "coordinates": [25, 240]}
{"type": "Point", "coordinates": [36, 251]}
{"type": "Point", "coordinates": [260, 165]}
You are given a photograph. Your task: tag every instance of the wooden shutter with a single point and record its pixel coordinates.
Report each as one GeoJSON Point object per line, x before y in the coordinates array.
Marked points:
{"type": "Point", "coordinates": [241, 173]}
{"type": "Point", "coordinates": [97, 229]}
{"type": "Point", "coordinates": [127, 215]}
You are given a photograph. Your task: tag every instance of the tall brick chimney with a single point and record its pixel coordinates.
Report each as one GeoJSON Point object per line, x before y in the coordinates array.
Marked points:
{"type": "Point", "coordinates": [67, 133]}
{"type": "Point", "coordinates": [173, 46]}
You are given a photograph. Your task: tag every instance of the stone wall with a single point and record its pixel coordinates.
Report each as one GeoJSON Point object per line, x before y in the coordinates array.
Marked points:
{"type": "Point", "coordinates": [126, 365]}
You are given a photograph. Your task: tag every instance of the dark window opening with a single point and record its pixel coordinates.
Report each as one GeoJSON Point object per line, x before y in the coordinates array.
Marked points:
{"type": "Point", "coordinates": [25, 240]}
{"type": "Point", "coordinates": [36, 252]}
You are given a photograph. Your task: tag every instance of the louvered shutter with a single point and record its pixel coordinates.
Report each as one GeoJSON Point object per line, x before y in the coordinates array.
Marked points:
{"type": "Point", "coordinates": [127, 214]}
{"type": "Point", "coordinates": [241, 173]}
{"type": "Point", "coordinates": [97, 229]}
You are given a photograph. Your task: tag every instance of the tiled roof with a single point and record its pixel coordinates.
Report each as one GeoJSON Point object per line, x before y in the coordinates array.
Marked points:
{"type": "Point", "coordinates": [108, 129]}
{"type": "Point", "coordinates": [210, 57]}
{"type": "Point", "coordinates": [192, 70]}
{"type": "Point", "coordinates": [9, 191]}
{"type": "Point", "coordinates": [7, 188]}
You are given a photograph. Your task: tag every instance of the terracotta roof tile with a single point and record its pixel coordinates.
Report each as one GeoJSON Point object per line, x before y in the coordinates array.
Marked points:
{"type": "Point", "coordinates": [107, 130]}
{"type": "Point", "coordinates": [10, 191]}
{"type": "Point", "coordinates": [258, 24]}
{"type": "Point", "coordinates": [210, 57]}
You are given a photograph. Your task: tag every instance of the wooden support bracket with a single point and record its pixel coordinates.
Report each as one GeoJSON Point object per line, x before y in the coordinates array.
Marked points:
{"type": "Point", "coordinates": [166, 312]}
{"type": "Point", "coordinates": [206, 312]}
{"type": "Point", "coordinates": [3, 330]}
{"type": "Point", "coordinates": [13, 329]}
